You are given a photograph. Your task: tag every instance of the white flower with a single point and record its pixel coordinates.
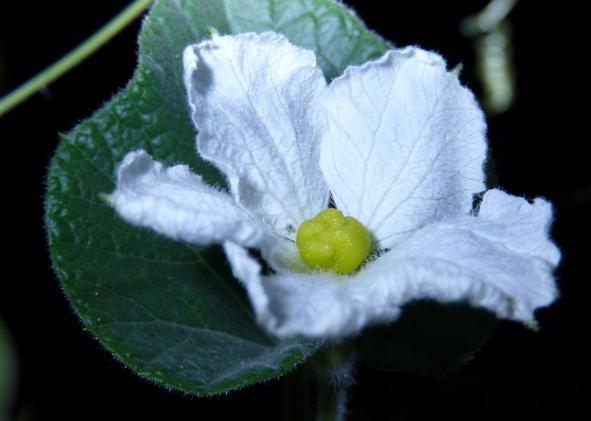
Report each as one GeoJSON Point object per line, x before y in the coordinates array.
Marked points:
{"type": "Point", "coordinates": [400, 146]}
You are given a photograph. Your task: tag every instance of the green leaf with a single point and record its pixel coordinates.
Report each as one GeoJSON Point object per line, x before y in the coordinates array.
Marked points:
{"type": "Point", "coordinates": [171, 312]}
{"type": "Point", "coordinates": [429, 339]}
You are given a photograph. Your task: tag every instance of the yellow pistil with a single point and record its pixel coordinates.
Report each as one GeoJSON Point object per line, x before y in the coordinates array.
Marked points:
{"type": "Point", "coordinates": [333, 242]}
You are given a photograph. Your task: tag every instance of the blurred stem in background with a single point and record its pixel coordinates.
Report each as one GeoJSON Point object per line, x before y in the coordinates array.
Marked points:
{"type": "Point", "coordinates": [490, 28]}
{"type": "Point", "coordinates": [7, 372]}
{"type": "Point", "coordinates": [494, 53]}
{"type": "Point", "coordinates": [74, 57]}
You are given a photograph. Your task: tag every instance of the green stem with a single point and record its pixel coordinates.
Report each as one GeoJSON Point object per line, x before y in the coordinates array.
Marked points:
{"type": "Point", "coordinates": [333, 368]}
{"type": "Point", "coordinates": [74, 57]}
{"type": "Point", "coordinates": [488, 18]}
{"type": "Point", "coordinates": [332, 402]}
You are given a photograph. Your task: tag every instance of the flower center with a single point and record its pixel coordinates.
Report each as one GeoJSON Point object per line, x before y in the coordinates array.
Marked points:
{"type": "Point", "coordinates": [333, 242]}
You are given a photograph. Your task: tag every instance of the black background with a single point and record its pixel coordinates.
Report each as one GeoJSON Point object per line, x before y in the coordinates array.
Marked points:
{"type": "Point", "coordinates": [539, 148]}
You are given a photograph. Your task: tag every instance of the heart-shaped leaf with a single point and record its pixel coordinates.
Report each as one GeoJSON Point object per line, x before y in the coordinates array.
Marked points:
{"type": "Point", "coordinates": [169, 311]}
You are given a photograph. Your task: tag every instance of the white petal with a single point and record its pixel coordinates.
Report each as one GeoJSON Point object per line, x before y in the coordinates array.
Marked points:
{"type": "Point", "coordinates": [503, 260]}
{"type": "Point", "coordinates": [252, 99]}
{"type": "Point", "coordinates": [527, 225]}
{"type": "Point", "coordinates": [405, 145]}
{"type": "Point", "coordinates": [248, 271]}
{"type": "Point", "coordinates": [176, 203]}
{"type": "Point", "coordinates": [481, 260]}
{"type": "Point", "coordinates": [317, 305]}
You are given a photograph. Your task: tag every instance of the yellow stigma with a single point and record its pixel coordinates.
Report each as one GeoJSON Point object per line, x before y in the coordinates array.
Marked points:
{"type": "Point", "coordinates": [333, 242]}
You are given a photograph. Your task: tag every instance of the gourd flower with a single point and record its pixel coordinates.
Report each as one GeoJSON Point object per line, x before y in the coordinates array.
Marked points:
{"type": "Point", "coordinates": [346, 200]}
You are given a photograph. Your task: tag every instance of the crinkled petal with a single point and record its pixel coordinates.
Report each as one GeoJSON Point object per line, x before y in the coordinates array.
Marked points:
{"type": "Point", "coordinates": [502, 260]}
{"type": "Point", "coordinates": [526, 225]}
{"type": "Point", "coordinates": [482, 260]}
{"type": "Point", "coordinates": [405, 144]}
{"type": "Point", "coordinates": [317, 305]}
{"type": "Point", "coordinates": [252, 99]}
{"type": "Point", "coordinates": [176, 203]}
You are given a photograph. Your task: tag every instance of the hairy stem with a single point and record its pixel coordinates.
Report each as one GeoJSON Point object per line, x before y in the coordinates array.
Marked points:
{"type": "Point", "coordinates": [333, 374]}
{"type": "Point", "coordinates": [331, 403]}
{"type": "Point", "coordinates": [74, 57]}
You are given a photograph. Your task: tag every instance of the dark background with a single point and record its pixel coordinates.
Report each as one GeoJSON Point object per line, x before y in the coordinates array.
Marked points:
{"type": "Point", "coordinates": [538, 146]}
